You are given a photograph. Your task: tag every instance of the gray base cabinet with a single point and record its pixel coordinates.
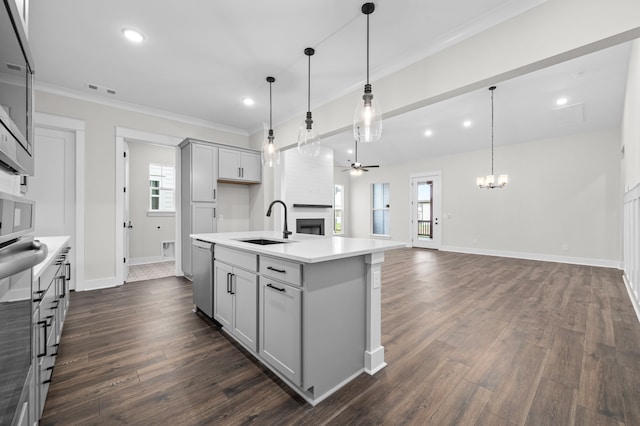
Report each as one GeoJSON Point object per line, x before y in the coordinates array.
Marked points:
{"type": "Point", "coordinates": [310, 318]}
{"type": "Point", "coordinates": [51, 302]}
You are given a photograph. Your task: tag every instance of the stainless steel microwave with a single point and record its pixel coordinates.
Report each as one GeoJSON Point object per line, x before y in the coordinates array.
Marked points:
{"type": "Point", "coordinates": [16, 93]}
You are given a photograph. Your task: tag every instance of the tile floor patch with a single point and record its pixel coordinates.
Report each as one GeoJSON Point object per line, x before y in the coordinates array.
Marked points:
{"type": "Point", "coordinates": [150, 271]}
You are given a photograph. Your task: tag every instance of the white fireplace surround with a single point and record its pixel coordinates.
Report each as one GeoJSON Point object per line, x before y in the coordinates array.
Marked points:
{"type": "Point", "coordinates": [308, 182]}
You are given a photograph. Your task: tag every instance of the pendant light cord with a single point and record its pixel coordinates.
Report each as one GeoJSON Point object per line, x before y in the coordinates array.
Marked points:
{"type": "Point", "coordinates": [367, 49]}
{"type": "Point", "coordinates": [492, 89]}
{"type": "Point", "coordinates": [270, 108]}
{"type": "Point", "coordinates": [309, 85]}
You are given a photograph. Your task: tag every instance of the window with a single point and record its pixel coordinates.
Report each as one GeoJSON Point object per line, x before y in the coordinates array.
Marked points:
{"type": "Point", "coordinates": [338, 209]}
{"type": "Point", "coordinates": [162, 183]}
{"type": "Point", "coordinates": [380, 209]}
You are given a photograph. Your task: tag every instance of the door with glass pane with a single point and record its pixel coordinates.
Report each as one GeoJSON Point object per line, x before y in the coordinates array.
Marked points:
{"type": "Point", "coordinates": [425, 211]}
{"type": "Point", "coordinates": [380, 209]}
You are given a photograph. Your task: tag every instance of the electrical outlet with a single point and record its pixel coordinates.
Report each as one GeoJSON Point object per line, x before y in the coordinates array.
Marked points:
{"type": "Point", "coordinates": [220, 217]}
{"type": "Point", "coordinates": [565, 247]}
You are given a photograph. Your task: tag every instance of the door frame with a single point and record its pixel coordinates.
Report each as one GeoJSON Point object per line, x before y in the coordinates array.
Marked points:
{"type": "Point", "coordinates": [122, 134]}
{"type": "Point", "coordinates": [437, 201]}
{"type": "Point", "coordinates": [77, 127]}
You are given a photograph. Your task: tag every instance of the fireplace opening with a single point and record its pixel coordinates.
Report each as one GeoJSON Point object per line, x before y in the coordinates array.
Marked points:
{"type": "Point", "coordinates": [310, 226]}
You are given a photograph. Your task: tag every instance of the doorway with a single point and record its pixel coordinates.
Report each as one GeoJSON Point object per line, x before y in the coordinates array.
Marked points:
{"type": "Point", "coordinates": [142, 245]}
{"type": "Point", "coordinates": [425, 210]}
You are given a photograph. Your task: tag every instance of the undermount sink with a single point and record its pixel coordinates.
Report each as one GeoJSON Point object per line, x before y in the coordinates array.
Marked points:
{"type": "Point", "coordinates": [263, 241]}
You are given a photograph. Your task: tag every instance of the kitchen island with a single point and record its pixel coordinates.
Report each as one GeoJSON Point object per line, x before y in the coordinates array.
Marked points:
{"type": "Point", "coordinates": [309, 307]}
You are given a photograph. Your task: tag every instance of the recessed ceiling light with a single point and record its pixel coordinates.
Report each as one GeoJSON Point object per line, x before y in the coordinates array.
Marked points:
{"type": "Point", "coordinates": [562, 101]}
{"type": "Point", "coordinates": [248, 101]}
{"type": "Point", "coordinates": [467, 123]}
{"type": "Point", "coordinates": [428, 133]}
{"type": "Point", "coordinates": [133, 35]}
{"type": "Point", "coordinates": [349, 151]}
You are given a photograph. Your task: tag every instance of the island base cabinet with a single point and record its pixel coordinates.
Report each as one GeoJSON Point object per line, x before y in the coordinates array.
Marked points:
{"type": "Point", "coordinates": [280, 328]}
{"type": "Point", "coordinates": [236, 303]}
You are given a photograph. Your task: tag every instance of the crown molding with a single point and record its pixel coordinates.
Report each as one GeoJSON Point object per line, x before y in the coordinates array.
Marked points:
{"type": "Point", "coordinates": [70, 93]}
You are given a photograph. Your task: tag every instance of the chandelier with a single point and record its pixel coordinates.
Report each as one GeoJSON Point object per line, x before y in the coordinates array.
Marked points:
{"type": "Point", "coordinates": [489, 181]}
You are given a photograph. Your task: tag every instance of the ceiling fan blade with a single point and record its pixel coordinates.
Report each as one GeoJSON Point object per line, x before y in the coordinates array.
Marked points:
{"type": "Point", "coordinates": [346, 170]}
{"type": "Point", "coordinates": [370, 166]}
{"type": "Point", "coordinates": [363, 169]}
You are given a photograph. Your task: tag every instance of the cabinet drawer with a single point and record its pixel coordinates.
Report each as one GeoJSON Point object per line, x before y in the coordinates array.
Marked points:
{"type": "Point", "coordinates": [280, 269]}
{"type": "Point", "coordinates": [238, 258]}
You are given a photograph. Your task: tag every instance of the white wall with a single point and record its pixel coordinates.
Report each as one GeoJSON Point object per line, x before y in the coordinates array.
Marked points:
{"type": "Point", "coordinates": [148, 232]}
{"type": "Point", "coordinates": [101, 121]}
{"type": "Point", "coordinates": [233, 207]}
{"type": "Point", "coordinates": [562, 192]}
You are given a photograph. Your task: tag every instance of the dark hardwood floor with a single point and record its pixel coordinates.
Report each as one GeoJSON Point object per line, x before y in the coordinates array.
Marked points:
{"type": "Point", "coordinates": [470, 340]}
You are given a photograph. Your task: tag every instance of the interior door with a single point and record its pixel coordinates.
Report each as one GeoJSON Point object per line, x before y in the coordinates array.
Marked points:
{"type": "Point", "coordinates": [127, 226]}
{"type": "Point", "coordinates": [53, 187]}
{"type": "Point", "coordinates": [425, 211]}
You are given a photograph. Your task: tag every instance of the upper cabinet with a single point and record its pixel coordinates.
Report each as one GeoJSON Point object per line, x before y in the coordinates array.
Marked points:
{"type": "Point", "coordinates": [204, 176]}
{"type": "Point", "coordinates": [239, 166]}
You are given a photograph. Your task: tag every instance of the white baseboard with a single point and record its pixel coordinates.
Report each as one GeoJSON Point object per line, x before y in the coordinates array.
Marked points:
{"type": "Point", "coordinates": [632, 296]}
{"type": "Point", "coordinates": [97, 284]}
{"type": "Point", "coordinates": [16, 294]}
{"type": "Point", "coordinates": [603, 263]}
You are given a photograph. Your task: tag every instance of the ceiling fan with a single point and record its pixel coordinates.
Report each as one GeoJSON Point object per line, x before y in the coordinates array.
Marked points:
{"type": "Point", "coordinates": [356, 167]}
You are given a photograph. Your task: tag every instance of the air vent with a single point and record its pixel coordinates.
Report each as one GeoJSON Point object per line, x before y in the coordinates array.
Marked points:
{"type": "Point", "coordinates": [14, 67]}
{"type": "Point", "coordinates": [100, 89]}
{"type": "Point", "coordinates": [570, 114]}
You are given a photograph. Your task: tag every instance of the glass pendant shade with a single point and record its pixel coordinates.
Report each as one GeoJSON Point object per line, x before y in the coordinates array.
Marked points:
{"type": "Point", "coordinates": [367, 120]}
{"type": "Point", "coordinates": [308, 136]}
{"type": "Point", "coordinates": [270, 151]}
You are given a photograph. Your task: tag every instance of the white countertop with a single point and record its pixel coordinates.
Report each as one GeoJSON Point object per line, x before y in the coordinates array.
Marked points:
{"type": "Point", "coordinates": [54, 246]}
{"type": "Point", "coordinates": [301, 247]}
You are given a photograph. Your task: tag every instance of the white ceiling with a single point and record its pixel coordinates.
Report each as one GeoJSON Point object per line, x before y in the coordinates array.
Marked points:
{"type": "Point", "coordinates": [202, 57]}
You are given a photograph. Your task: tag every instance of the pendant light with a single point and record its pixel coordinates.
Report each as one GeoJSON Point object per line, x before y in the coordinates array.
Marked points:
{"type": "Point", "coordinates": [308, 136]}
{"type": "Point", "coordinates": [489, 181]}
{"type": "Point", "coordinates": [270, 152]}
{"type": "Point", "coordinates": [367, 121]}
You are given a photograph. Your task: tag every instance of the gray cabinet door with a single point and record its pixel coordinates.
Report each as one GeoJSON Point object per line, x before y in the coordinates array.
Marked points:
{"type": "Point", "coordinates": [203, 218]}
{"type": "Point", "coordinates": [245, 315]}
{"type": "Point", "coordinates": [251, 167]}
{"type": "Point", "coordinates": [229, 164]}
{"type": "Point", "coordinates": [280, 328]}
{"type": "Point", "coordinates": [223, 298]}
{"type": "Point", "coordinates": [204, 176]}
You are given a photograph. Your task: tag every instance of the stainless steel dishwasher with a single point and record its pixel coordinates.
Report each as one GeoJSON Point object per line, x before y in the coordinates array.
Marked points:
{"type": "Point", "coordinates": [202, 265]}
